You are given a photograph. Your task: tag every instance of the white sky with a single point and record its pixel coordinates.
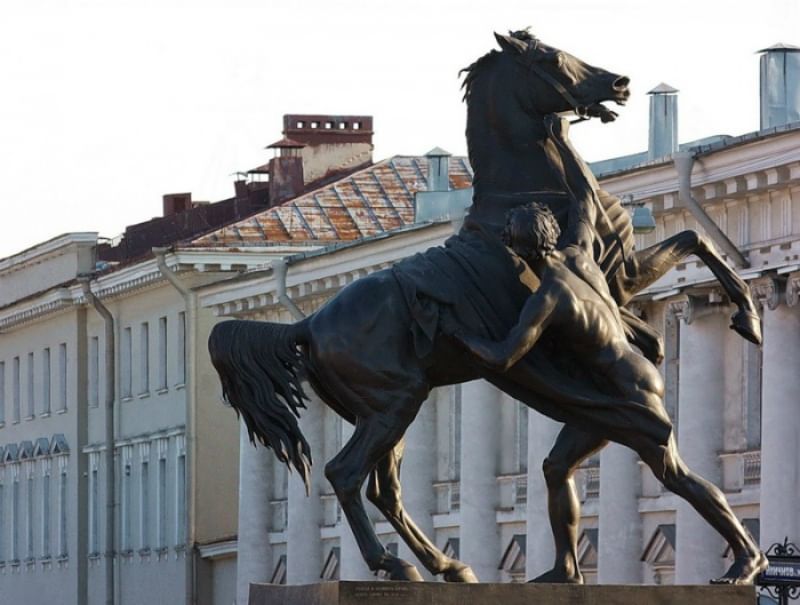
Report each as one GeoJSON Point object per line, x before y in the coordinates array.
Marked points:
{"type": "Point", "coordinates": [106, 105]}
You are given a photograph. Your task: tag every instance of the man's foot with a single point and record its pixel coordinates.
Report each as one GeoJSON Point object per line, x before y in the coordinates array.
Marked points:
{"type": "Point", "coordinates": [558, 576]}
{"type": "Point", "coordinates": [748, 325]}
{"type": "Point", "coordinates": [744, 570]}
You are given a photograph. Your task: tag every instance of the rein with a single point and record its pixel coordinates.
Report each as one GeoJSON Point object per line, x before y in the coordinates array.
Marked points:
{"type": "Point", "coordinates": [531, 65]}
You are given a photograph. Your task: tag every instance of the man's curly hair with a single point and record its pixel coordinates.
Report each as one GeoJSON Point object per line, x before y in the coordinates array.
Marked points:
{"type": "Point", "coordinates": [531, 231]}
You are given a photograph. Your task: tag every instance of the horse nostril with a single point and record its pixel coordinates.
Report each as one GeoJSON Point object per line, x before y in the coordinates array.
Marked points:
{"type": "Point", "coordinates": [621, 83]}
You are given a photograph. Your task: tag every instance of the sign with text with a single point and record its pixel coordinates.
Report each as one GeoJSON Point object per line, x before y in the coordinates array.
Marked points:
{"type": "Point", "coordinates": [782, 571]}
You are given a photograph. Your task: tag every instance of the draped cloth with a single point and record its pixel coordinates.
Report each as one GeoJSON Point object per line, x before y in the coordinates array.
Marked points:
{"type": "Point", "coordinates": [485, 285]}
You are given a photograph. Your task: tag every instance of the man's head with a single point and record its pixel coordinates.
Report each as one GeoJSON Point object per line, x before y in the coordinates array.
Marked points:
{"type": "Point", "coordinates": [531, 231]}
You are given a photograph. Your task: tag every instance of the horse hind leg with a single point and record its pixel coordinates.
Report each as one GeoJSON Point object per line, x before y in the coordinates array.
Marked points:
{"type": "Point", "coordinates": [384, 492]}
{"type": "Point", "coordinates": [371, 441]}
{"type": "Point", "coordinates": [650, 264]}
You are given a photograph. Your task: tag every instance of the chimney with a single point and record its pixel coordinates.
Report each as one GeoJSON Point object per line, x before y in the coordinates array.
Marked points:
{"type": "Point", "coordinates": [438, 169]}
{"type": "Point", "coordinates": [285, 171]}
{"type": "Point", "coordinates": [331, 144]}
{"type": "Point", "coordinates": [780, 85]}
{"type": "Point", "coordinates": [663, 133]}
{"type": "Point", "coordinates": [175, 203]}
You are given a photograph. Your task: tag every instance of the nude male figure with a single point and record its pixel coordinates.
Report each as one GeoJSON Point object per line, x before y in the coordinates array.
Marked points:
{"type": "Point", "coordinates": [575, 301]}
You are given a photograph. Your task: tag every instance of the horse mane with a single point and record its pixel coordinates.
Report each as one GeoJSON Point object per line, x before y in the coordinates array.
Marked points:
{"type": "Point", "coordinates": [475, 69]}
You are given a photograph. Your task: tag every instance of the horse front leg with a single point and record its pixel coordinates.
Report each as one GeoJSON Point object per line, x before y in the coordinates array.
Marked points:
{"type": "Point", "coordinates": [384, 492]}
{"type": "Point", "coordinates": [648, 265]}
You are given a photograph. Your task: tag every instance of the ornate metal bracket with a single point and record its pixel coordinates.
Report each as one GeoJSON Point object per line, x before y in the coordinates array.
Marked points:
{"type": "Point", "coordinates": [780, 586]}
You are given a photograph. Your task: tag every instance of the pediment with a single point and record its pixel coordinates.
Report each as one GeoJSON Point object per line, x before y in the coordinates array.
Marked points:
{"type": "Point", "coordinates": [330, 570]}
{"type": "Point", "coordinates": [660, 550]}
{"type": "Point", "coordinates": [279, 574]}
{"type": "Point", "coordinates": [59, 445]}
{"type": "Point", "coordinates": [588, 548]}
{"type": "Point", "coordinates": [513, 559]}
{"type": "Point", "coordinates": [25, 450]}
{"type": "Point", "coordinates": [451, 548]}
{"type": "Point", "coordinates": [41, 447]}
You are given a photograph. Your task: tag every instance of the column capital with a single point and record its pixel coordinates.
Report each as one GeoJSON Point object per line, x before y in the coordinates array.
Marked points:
{"type": "Point", "coordinates": [793, 289]}
{"type": "Point", "coordinates": [682, 307]}
{"type": "Point", "coordinates": [767, 291]}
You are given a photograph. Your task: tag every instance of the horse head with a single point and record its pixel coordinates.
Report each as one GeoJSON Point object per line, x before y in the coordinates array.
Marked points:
{"type": "Point", "coordinates": [554, 81]}
{"type": "Point", "coordinates": [509, 93]}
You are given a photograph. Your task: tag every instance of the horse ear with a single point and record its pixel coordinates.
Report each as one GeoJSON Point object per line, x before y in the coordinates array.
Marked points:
{"type": "Point", "coordinates": [510, 44]}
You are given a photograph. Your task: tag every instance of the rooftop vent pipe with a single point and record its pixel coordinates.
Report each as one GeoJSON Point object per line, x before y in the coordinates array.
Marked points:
{"type": "Point", "coordinates": [663, 139]}
{"type": "Point", "coordinates": [438, 169]}
{"type": "Point", "coordinates": [780, 85]}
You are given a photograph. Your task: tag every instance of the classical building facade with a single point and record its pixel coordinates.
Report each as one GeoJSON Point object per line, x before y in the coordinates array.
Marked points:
{"type": "Point", "coordinates": [472, 471]}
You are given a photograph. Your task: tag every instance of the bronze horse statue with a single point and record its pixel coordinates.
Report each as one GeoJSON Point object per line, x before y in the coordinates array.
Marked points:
{"type": "Point", "coordinates": [375, 350]}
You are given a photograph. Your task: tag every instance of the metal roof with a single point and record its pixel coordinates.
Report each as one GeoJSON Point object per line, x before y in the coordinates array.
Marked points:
{"type": "Point", "coordinates": [371, 201]}
{"type": "Point", "coordinates": [662, 89]}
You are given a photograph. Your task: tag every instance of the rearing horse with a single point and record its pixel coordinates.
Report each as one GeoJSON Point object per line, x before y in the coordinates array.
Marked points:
{"type": "Point", "coordinates": [375, 350]}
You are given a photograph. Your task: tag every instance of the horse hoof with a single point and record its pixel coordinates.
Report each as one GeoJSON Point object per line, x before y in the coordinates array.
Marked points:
{"type": "Point", "coordinates": [461, 574]}
{"type": "Point", "coordinates": [405, 573]}
{"type": "Point", "coordinates": [748, 325]}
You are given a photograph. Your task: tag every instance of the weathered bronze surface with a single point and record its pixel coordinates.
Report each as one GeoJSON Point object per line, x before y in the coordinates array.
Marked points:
{"type": "Point", "coordinates": [374, 351]}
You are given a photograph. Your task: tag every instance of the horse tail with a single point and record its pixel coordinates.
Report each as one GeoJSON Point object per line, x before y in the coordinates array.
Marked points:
{"type": "Point", "coordinates": [260, 366]}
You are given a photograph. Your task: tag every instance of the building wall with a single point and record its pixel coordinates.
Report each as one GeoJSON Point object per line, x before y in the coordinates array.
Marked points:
{"type": "Point", "coordinates": [48, 483]}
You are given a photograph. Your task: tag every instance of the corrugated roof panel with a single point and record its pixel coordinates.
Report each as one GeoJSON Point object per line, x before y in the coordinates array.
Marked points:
{"type": "Point", "coordinates": [367, 225]}
{"type": "Point", "coordinates": [373, 200]}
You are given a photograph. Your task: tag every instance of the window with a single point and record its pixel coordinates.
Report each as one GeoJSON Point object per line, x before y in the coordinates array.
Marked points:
{"type": "Point", "coordinates": [15, 393]}
{"type": "Point", "coordinates": [29, 515]}
{"type": "Point", "coordinates": [522, 437]}
{"type": "Point", "coordinates": [29, 394]}
{"type": "Point", "coordinates": [2, 396]}
{"type": "Point", "coordinates": [180, 501]}
{"type": "Point", "coordinates": [126, 361]}
{"type": "Point", "coordinates": [181, 348]}
{"type": "Point", "coordinates": [62, 508]}
{"type": "Point", "coordinates": [94, 501]}
{"type": "Point", "coordinates": [672, 346]}
{"type": "Point", "coordinates": [46, 382]}
{"type": "Point", "coordinates": [752, 371]}
{"type": "Point", "coordinates": [125, 498]}
{"type": "Point", "coordinates": [162, 354]}
{"type": "Point", "coordinates": [2, 520]}
{"type": "Point", "coordinates": [94, 371]}
{"type": "Point", "coordinates": [455, 434]}
{"type": "Point", "coordinates": [15, 524]}
{"type": "Point", "coordinates": [144, 504]}
{"type": "Point", "coordinates": [46, 508]}
{"type": "Point", "coordinates": [62, 377]}
{"type": "Point", "coordinates": [162, 503]}
{"type": "Point", "coordinates": [144, 359]}
{"type": "Point", "coordinates": [356, 125]}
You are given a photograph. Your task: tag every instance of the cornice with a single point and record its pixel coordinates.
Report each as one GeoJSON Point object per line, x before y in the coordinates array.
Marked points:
{"type": "Point", "coordinates": [54, 301]}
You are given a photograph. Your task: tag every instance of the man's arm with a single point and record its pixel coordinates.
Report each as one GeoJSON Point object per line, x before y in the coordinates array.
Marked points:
{"type": "Point", "coordinates": [536, 316]}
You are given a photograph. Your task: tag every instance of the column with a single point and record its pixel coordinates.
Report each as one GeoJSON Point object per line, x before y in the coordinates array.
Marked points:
{"type": "Point", "coordinates": [418, 472]}
{"type": "Point", "coordinates": [254, 553]}
{"type": "Point", "coordinates": [620, 530]}
{"type": "Point", "coordinates": [479, 537]}
{"type": "Point", "coordinates": [542, 432]}
{"type": "Point", "coordinates": [780, 419]}
{"type": "Point", "coordinates": [303, 547]}
{"type": "Point", "coordinates": [700, 432]}
{"type": "Point", "coordinates": [351, 564]}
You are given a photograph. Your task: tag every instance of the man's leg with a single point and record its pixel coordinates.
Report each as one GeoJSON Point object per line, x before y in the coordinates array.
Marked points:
{"type": "Point", "coordinates": [709, 501]}
{"type": "Point", "coordinates": [572, 447]}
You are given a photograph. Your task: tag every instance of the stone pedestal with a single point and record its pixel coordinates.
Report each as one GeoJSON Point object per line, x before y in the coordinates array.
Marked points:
{"type": "Point", "coordinates": [434, 593]}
